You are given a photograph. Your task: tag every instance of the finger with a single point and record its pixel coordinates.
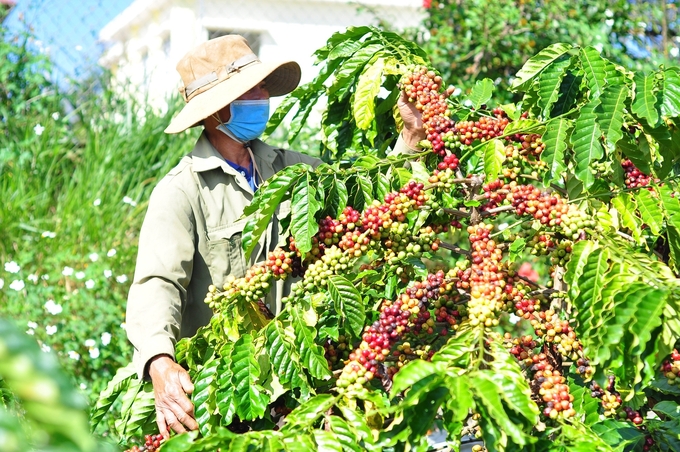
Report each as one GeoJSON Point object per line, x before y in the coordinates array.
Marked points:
{"type": "Point", "coordinates": [162, 426]}
{"type": "Point", "coordinates": [185, 380]}
{"type": "Point", "coordinates": [188, 421]}
{"type": "Point", "coordinates": [174, 423]}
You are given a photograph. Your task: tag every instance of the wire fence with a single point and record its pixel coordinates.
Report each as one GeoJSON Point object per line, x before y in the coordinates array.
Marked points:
{"type": "Point", "coordinates": [140, 41]}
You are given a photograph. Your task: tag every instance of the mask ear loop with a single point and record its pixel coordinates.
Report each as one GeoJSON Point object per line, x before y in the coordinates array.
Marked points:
{"type": "Point", "coordinates": [256, 171]}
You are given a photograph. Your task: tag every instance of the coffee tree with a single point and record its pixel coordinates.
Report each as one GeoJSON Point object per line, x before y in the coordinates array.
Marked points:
{"type": "Point", "coordinates": [408, 312]}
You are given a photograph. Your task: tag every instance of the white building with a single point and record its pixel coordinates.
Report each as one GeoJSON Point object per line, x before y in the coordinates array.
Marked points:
{"type": "Point", "coordinates": [148, 38]}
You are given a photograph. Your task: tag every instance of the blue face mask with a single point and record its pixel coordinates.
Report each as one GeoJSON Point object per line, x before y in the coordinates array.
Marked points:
{"type": "Point", "coordinates": [248, 120]}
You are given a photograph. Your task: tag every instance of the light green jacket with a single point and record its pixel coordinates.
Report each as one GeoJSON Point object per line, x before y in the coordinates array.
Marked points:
{"type": "Point", "coordinates": [190, 239]}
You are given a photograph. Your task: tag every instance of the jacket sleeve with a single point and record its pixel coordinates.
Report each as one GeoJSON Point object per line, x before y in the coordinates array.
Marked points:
{"type": "Point", "coordinates": [162, 274]}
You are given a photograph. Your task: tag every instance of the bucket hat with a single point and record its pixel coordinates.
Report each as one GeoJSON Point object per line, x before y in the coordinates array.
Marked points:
{"type": "Point", "coordinates": [219, 71]}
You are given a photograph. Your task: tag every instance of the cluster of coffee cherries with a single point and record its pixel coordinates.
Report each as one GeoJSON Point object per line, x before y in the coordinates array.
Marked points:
{"type": "Point", "coordinates": [557, 331]}
{"type": "Point", "coordinates": [551, 388]}
{"type": "Point", "coordinates": [634, 178]}
{"type": "Point", "coordinates": [151, 444]}
{"type": "Point", "coordinates": [423, 88]}
{"type": "Point", "coordinates": [336, 353]}
{"type": "Point", "coordinates": [282, 263]}
{"type": "Point", "coordinates": [547, 207]}
{"type": "Point", "coordinates": [486, 277]}
{"type": "Point", "coordinates": [397, 318]}
{"type": "Point", "coordinates": [671, 368]}
{"type": "Point", "coordinates": [251, 288]}
{"type": "Point", "coordinates": [611, 398]}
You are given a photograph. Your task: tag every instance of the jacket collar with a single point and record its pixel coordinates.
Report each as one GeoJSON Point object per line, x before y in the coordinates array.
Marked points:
{"type": "Point", "coordinates": [205, 157]}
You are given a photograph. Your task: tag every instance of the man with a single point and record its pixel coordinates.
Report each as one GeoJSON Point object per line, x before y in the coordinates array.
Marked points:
{"type": "Point", "coordinates": [191, 235]}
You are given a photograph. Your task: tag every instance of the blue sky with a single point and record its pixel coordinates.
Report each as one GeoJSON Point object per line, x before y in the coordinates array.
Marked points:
{"type": "Point", "coordinates": [68, 28]}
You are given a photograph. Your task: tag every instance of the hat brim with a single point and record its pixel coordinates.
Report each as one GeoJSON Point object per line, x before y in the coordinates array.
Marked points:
{"type": "Point", "coordinates": [281, 78]}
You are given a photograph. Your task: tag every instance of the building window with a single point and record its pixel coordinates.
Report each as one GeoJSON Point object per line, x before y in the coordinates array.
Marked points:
{"type": "Point", "coordinates": [253, 37]}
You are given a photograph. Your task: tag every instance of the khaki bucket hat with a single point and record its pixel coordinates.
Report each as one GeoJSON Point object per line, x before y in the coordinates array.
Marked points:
{"type": "Point", "coordinates": [219, 71]}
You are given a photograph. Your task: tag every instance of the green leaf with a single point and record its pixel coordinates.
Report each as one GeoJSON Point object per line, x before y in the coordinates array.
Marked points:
{"type": "Point", "coordinates": [569, 94]}
{"type": "Point", "coordinates": [550, 81]}
{"type": "Point", "coordinates": [348, 302]}
{"type": "Point", "coordinates": [645, 99]}
{"type": "Point", "coordinates": [327, 441]}
{"type": "Point", "coordinates": [283, 354]}
{"type": "Point", "coordinates": [304, 207]}
{"type": "Point", "coordinates": [224, 393]}
{"type": "Point", "coordinates": [367, 90]}
{"type": "Point", "coordinates": [251, 397]}
{"type": "Point", "coordinates": [669, 201]}
{"type": "Point", "coordinates": [555, 140]}
{"type": "Point", "coordinates": [345, 435]}
{"type": "Point", "coordinates": [523, 126]}
{"type": "Point", "coordinates": [594, 70]}
{"type": "Point", "coordinates": [639, 155]}
{"type": "Point", "coordinates": [670, 105]}
{"type": "Point", "coordinates": [118, 385]}
{"type": "Point", "coordinates": [488, 395]}
{"type": "Point", "coordinates": [586, 143]}
{"type": "Point", "coordinates": [574, 269]}
{"type": "Point", "coordinates": [538, 63]}
{"type": "Point", "coordinates": [204, 395]}
{"type": "Point", "coordinates": [673, 233]}
{"type": "Point", "coordinates": [494, 156]}
{"type": "Point", "coordinates": [312, 355]}
{"type": "Point", "coordinates": [610, 112]}
{"type": "Point", "coordinates": [308, 412]}
{"type": "Point", "coordinates": [591, 283]}
{"type": "Point", "coordinates": [481, 93]}
{"type": "Point", "coordinates": [650, 210]}
{"type": "Point", "coordinates": [516, 249]}
{"type": "Point", "coordinates": [625, 206]}
{"type": "Point", "coordinates": [351, 67]}
{"type": "Point", "coordinates": [411, 374]}
{"type": "Point", "coordinates": [264, 204]}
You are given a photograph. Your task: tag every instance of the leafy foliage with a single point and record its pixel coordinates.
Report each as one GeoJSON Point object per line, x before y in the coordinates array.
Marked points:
{"type": "Point", "coordinates": [410, 310]}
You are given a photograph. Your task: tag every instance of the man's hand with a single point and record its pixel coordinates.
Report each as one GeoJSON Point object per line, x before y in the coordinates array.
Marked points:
{"type": "Point", "coordinates": [171, 384]}
{"type": "Point", "coordinates": [413, 124]}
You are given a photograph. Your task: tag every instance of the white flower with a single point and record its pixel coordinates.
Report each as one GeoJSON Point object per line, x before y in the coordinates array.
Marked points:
{"type": "Point", "coordinates": [32, 324]}
{"type": "Point", "coordinates": [80, 275]}
{"type": "Point", "coordinates": [89, 284]}
{"type": "Point", "coordinates": [32, 278]}
{"type": "Point", "coordinates": [123, 326]}
{"type": "Point", "coordinates": [106, 338]}
{"type": "Point", "coordinates": [108, 273]}
{"type": "Point", "coordinates": [609, 22]}
{"type": "Point", "coordinates": [83, 386]}
{"type": "Point", "coordinates": [45, 277]}
{"type": "Point", "coordinates": [94, 353]}
{"type": "Point", "coordinates": [51, 329]}
{"type": "Point", "coordinates": [128, 200]}
{"type": "Point", "coordinates": [608, 12]}
{"type": "Point", "coordinates": [121, 279]}
{"type": "Point", "coordinates": [456, 92]}
{"type": "Point", "coordinates": [2, 283]}
{"type": "Point", "coordinates": [97, 202]}
{"type": "Point", "coordinates": [49, 234]}
{"type": "Point", "coordinates": [74, 355]}
{"type": "Point", "coordinates": [467, 103]}
{"type": "Point", "coordinates": [55, 116]}
{"type": "Point", "coordinates": [45, 348]}
{"type": "Point", "coordinates": [111, 252]}
{"type": "Point", "coordinates": [17, 284]}
{"type": "Point", "coordinates": [67, 271]}
{"type": "Point", "coordinates": [12, 267]}
{"type": "Point", "coordinates": [514, 319]}
{"type": "Point", "coordinates": [53, 308]}
{"type": "Point", "coordinates": [38, 129]}
{"type": "Point", "coordinates": [674, 52]}
{"type": "Point", "coordinates": [90, 343]}
{"type": "Point", "coordinates": [30, 332]}
{"type": "Point", "coordinates": [94, 257]}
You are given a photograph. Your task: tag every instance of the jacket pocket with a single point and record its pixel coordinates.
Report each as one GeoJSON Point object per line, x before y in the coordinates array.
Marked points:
{"type": "Point", "coordinates": [225, 255]}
